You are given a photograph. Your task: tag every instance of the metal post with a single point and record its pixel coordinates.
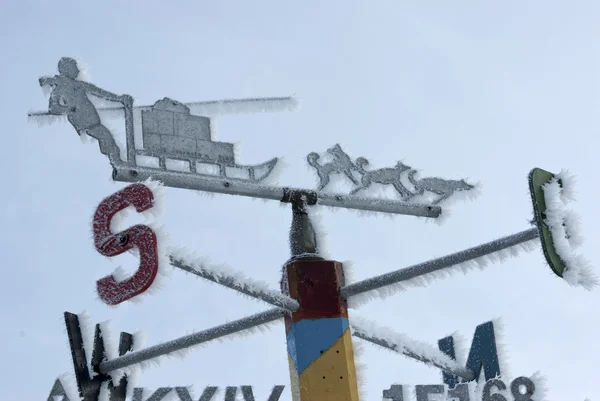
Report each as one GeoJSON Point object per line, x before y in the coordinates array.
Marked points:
{"type": "Point", "coordinates": [130, 135]}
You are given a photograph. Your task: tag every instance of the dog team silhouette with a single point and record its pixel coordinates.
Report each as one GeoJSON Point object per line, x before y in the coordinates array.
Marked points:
{"type": "Point", "coordinates": [343, 164]}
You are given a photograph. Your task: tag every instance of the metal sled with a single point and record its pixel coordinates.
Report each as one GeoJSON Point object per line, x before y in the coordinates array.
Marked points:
{"type": "Point", "coordinates": [175, 140]}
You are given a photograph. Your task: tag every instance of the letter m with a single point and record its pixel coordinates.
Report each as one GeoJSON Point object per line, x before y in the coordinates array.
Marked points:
{"type": "Point", "coordinates": [483, 354]}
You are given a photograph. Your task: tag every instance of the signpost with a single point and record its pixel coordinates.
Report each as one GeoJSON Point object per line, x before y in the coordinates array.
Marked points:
{"type": "Point", "coordinates": [177, 149]}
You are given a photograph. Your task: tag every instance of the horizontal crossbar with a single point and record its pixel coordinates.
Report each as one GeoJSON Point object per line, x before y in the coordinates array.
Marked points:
{"type": "Point", "coordinates": [191, 340]}
{"type": "Point", "coordinates": [176, 179]}
{"type": "Point", "coordinates": [444, 262]}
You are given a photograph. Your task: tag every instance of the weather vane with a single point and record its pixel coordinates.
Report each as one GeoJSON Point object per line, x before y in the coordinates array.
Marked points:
{"type": "Point", "coordinates": [177, 149]}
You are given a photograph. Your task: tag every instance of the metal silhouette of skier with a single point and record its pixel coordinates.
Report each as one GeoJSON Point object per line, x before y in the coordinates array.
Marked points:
{"type": "Point", "coordinates": [69, 96]}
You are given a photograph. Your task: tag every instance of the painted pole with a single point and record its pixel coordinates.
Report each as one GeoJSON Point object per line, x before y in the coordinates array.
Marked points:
{"type": "Point", "coordinates": [319, 339]}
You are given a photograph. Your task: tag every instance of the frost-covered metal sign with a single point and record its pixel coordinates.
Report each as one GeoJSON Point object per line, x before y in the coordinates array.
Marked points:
{"type": "Point", "coordinates": [483, 357]}
{"type": "Point", "coordinates": [170, 143]}
{"type": "Point", "coordinates": [397, 176]}
{"type": "Point", "coordinates": [305, 279]}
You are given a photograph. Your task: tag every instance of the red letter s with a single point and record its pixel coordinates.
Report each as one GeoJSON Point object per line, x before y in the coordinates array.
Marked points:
{"type": "Point", "coordinates": [138, 236]}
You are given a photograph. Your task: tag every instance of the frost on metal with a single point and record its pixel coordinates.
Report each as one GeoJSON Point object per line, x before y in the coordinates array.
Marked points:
{"type": "Point", "coordinates": [110, 349]}
{"type": "Point", "coordinates": [349, 272]}
{"type": "Point", "coordinates": [176, 136]}
{"type": "Point", "coordinates": [117, 239]}
{"type": "Point", "coordinates": [521, 388]}
{"type": "Point", "coordinates": [501, 349]}
{"type": "Point", "coordinates": [274, 177]}
{"type": "Point", "coordinates": [69, 96]}
{"type": "Point", "coordinates": [401, 177]}
{"type": "Point", "coordinates": [44, 120]}
{"type": "Point", "coordinates": [111, 352]}
{"type": "Point", "coordinates": [402, 344]}
{"type": "Point", "coordinates": [564, 226]}
{"type": "Point", "coordinates": [238, 106]}
{"type": "Point", "coordinates": [133, 372]}
{"type": "Point", "coordinates": [87, 329]}
{"type": "Point", "coordinates": [424, 280]}
{"type": "Point", "coordinates": [360, 369]}
{"type": "Point", "coordinates": [541, 387]}
{"type": "Point", "coordinates": [244, 333]}
{"type": "Point", "coordinates": [183, 345]}
{"type": "Point", "coordinates": [316, 218]}
{"type": "Point", "coordinates": [153, 217]}
{"type": "Point", "coordinates": [228, 277]}
{"type": "Point", "coordinates": [64, 389]}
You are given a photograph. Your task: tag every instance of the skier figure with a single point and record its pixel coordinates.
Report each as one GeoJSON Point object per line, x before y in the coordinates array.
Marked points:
{"type": "Point", "coordinates": [69, 96]}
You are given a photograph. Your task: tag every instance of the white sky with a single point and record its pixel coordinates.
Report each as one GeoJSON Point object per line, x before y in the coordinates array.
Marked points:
{"type": "Point", "coordinates": [459, 89]}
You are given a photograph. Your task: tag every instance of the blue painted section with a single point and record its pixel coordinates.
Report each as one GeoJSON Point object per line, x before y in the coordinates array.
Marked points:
{"type": "Point", "coordinates": [307, 338]}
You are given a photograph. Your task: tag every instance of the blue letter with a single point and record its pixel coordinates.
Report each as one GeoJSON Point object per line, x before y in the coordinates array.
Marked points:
{"type": "Point", "coordinates": [483, 353]}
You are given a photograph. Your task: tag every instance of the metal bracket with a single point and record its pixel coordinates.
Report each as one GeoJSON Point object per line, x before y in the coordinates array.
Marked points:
{"type": "Point", "coordinates": [303, 239]}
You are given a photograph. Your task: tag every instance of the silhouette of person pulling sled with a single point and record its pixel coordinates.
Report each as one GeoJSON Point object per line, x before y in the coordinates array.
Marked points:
{"type": "Point", "coordinates": [69, 96]}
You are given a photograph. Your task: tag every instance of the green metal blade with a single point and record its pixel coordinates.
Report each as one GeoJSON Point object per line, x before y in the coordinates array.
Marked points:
{"type": "Point", "coordinates": [537, 178]}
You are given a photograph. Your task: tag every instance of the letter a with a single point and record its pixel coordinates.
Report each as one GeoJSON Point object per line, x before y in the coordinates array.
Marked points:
{"type": "Point", "coordinates": [58, 392]}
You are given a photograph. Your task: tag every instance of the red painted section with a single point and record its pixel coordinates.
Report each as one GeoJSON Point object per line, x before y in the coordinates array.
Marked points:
{"type": "Point", "coordinates": [113, 244]}
{"type": "Point", "coordinates": [316, 285]}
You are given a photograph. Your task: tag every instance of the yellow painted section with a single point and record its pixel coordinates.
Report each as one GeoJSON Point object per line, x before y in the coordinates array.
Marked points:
{"type": "Point", "coordinates": [332, 376]}
{"type": "Point", "coordinates": [294, 384]}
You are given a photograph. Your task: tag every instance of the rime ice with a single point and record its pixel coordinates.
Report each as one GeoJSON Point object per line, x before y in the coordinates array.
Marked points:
{"type": "Point", "coordinates": [564, 226]}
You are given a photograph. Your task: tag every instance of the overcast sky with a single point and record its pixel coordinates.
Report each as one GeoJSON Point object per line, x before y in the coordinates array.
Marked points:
{"type": "Point", "coordinates": [478, 90]}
